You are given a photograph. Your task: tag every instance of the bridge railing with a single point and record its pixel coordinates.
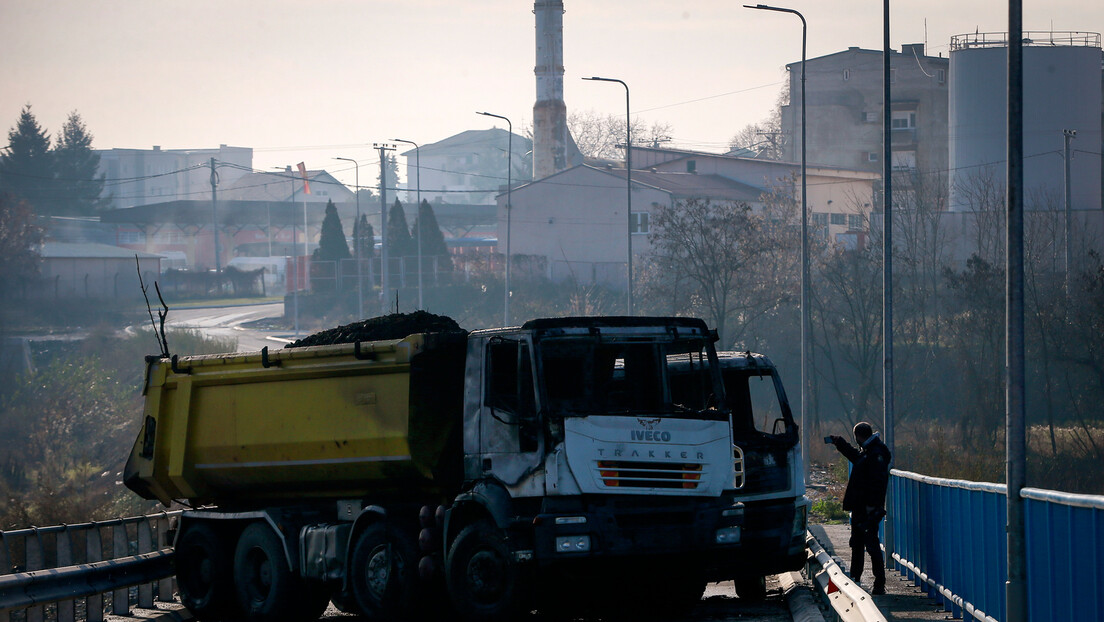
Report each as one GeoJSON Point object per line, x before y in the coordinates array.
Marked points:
{"type": "Point", "coordinates": [65, 570]}
{"type": "Point", "coordinates": [949, 537]}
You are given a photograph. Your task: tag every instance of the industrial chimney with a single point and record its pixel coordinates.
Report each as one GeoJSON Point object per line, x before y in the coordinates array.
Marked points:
{"type": "Point", "coordinates": [550, 136]}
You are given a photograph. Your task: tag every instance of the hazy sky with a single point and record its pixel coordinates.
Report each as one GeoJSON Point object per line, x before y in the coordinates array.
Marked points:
{"type": "Point", "coordinates": [313, 79]}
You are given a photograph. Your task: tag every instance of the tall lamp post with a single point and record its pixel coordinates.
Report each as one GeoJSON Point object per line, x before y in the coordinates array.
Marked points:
{"type": "Point", "coordinates": [628, 185]}
{"type": "Point", "coordinates": [509, 189]}
{"type": "Point", "coordinates": [356, 241]}
{"type": "Point", "coordinates": [418, 165]}
{"type": "Point", "coordinates": [804, 245]}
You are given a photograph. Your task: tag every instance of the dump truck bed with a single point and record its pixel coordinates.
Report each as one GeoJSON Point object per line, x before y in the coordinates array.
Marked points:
{"type": "Point", "coordinates": [337, 421]}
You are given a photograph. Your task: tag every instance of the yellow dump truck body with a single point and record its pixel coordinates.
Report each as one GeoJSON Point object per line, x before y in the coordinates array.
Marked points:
{"type": "Point", "coordinates": [333, 421]}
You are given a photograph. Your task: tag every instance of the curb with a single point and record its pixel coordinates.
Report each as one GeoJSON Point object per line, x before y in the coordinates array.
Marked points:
{"type": "Point", "coordinates": [799, 598]}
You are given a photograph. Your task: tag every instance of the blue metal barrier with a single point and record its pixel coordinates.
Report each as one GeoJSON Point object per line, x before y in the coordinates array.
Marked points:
{"type": "Point", "coordinates": [1065, 555]}
{"type": "Point", "coordinates": [950, 540]}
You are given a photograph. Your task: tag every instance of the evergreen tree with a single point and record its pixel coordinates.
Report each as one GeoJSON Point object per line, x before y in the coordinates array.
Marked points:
{"type": "Point", "coordinates": [76, 164]}
{"type": "Point", "coordinates": [367, 240]}
{"type": "Point", "coordinates": [399, 242]}
{"type": "Point", "coordinates": [27, 169]}
{"type": "Point", "coordinates": [433, 241]}
{"type": "Point", "coordinates": [331, 243]}
{"type": "Point", "coordinates": [391, 170]}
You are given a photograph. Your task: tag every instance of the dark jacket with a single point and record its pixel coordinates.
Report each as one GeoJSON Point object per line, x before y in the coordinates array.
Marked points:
{"type": "Point", "coordinates": [869, 476]}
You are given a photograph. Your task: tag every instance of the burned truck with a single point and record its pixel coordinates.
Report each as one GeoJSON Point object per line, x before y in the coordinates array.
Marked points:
{"type": "Point", "coordinates": [461, 468]}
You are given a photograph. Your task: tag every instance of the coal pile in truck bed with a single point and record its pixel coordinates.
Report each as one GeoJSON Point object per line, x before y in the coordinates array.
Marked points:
{"type": "Point", "coordinates": [394, 326]}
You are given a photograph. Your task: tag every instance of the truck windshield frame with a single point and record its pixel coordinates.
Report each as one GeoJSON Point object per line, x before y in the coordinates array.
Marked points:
{"type": "Point", "coordinates": [582, 375]}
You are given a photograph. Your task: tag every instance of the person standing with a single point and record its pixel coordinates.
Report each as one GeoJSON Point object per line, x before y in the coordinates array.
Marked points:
{"type": "Point", "coordinates": [865, 497]}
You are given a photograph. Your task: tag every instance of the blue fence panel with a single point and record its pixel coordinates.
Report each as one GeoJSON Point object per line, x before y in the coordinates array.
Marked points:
{"type": "Point", "coordinates": [1065, 555]}
{"type": "Point", "coordinates": [952, 532]}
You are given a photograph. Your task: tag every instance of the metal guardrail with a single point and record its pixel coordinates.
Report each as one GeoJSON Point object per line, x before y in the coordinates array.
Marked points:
{"type": "Point", "coordinates": [846, 597]}
{"type": "Point", "coordinates": [76, 566]}
{"type": "Point", "coordinates": [950, 540]}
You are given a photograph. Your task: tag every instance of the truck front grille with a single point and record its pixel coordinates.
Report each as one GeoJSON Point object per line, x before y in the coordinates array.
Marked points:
{"type": "Point", "coordinates": [629, 474]}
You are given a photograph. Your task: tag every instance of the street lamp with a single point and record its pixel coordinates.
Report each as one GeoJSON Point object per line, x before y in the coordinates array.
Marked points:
{"type": "Point", "coordinates": [509, 189]}
{"type": "Point", "coordinates": [804, 244]}
{"type": "Point", "coordinates": [628, 185]}
{"type": "Point", "coordinates": [418, 164]}
{"type": "Point", "coordinates": [356, 241]}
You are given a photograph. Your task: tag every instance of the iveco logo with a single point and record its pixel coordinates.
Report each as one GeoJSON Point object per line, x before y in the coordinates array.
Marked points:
{"type": "Point", "coordinates": [651, 435]}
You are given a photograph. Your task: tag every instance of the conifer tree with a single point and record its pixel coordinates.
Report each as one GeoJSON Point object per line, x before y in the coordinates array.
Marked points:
{"type": "Point", "coordinates": [433, 241]}
{"type": "Point", "coordinates": [331, 243]}
{"type": "Point", "coordinates": [75, 165]}
{"type": "Point", "coordinates": [27, 169]}
{"type": "Point", "coordinates": [367, 239]}
{"type": "Point", "coordinates": [399, 242]}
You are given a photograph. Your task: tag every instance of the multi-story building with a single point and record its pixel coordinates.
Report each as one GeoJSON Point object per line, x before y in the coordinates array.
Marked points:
{"type": "Point", "coordinates": [844, 116]}
{"type": "Point", "coordinates": [469, 167]}
{"type": "Point", "coordinates": [142, 176]}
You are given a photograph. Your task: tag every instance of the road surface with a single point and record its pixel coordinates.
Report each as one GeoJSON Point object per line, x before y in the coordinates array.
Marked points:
{"type": "Point", "coordinates": [232, 322]}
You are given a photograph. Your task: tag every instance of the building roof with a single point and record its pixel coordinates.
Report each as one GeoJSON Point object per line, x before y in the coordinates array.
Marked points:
{"type": "Point", "coordinates": [64, 250]}
{"type": "Point", "coordinates": [693, 185]}
{"type": "Point", "coordinates": [473, 138]}
{"type": "Point", "coordinates": [277, 186]}
{"type": "Point", "coordinates": [230, 213]}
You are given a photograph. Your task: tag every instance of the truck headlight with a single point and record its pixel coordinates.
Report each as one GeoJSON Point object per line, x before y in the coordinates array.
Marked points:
{"type": "Point", "coordinates": [799, 525]}
{"type": "Point", "coordinates": [728, 535]}
{"type": "Point", "coordinates": [572, 544]}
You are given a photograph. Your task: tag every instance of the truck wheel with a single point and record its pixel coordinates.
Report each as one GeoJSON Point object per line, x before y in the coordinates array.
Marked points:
{"type": "Point", "coordinates": [383, 577]}
{"type": "Point", "coordinates": [752, 589]}
{"type": "Point", "coordinates": [204, 572]}
{"type": "Point", "coordinates": [266, 588]}
{"type": "Point", "coordinates": [481, 575]}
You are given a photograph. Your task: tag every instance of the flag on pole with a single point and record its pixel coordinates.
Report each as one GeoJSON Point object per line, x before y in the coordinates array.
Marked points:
{"type": "Point", "coordinates": [306, 182]}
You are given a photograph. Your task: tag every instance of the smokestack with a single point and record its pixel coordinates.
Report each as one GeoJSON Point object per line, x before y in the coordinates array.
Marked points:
{"type": "Point", "coordinates": [550, 138]}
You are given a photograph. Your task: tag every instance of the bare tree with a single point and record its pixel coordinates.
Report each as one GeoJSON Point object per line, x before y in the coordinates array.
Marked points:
{"type": "Point", "coordinates": [603, 135]}
{"type": "Point", "coordinates": [764, 139]}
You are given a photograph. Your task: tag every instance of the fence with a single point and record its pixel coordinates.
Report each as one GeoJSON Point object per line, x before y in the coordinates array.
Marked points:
{"type": "Point", "coordinates": [76, 566]}
{"type": "Point", "coordinates": [949, 538]}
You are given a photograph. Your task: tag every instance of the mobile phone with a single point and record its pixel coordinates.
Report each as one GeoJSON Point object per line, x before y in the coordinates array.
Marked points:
{"type": "Point", "coordinates": [827, 440]}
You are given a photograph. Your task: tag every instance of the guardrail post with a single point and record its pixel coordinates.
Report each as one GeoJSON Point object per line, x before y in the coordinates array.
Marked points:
{"type": "Point", "coordinates": [120, 599]}
{"type": "Point", "coordinates": [145, 545]}
{"type": "Point", "coordinates": [66, 609]}
{"type": "Point", "coordinates": [93, 546]}
{"type": "Point", "coordinates": [35, 561]}
{"type": "Point", "coordinates": [164, 586]}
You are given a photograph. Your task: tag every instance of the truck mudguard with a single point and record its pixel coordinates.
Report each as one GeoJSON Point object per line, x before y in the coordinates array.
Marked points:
{"type": "Point", "coordinates": [489, 495]}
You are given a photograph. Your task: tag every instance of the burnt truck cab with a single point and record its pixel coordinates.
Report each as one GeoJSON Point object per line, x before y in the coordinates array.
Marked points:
{"type": "Point", "coordinates": [587, 443]}
{"type": "Point", "coordinates": [768, 463]}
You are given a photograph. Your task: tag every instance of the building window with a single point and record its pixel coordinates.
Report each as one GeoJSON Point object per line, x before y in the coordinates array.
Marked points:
{"type": "Point", "coordinates": [941, 75]}
{"type": "Point", "coordinates": [639, 223]}
{"type": "Point", "coordinates": [871, 156]}
{"type": "Point", "coordinates": [854, 222]}
{"type": "Point", "coordinates": [839, 219]}
{"type": "Point", "coordinates": [904, 119]}
{"type": "Point", "coordinates": [870, 117]}
{"type": "Point", "coordinates": [893, 76]}
{"type": "Point", "coordinates": [820, 219]}
{"type": "Point", "coordinates": [846, 75]}
{"type": "Point", "coordinates": [904, 160]}
{"type": "Point", "coordinates": [691, 166]}
{"type": "Point", "coordinates": [131, 237]}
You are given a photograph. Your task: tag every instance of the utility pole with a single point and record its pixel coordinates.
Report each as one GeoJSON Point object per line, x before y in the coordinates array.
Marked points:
{"type": "Point", "coordinates": [1068, 135]}
{"type": "Point", "coordinates": [1015, 402]}
{"type": "Point", "coordinates": [214, 214]}
{"type": "Point", "coordinates": [384, 285]}
{"type": "Point", "coordinates": [888, 422]}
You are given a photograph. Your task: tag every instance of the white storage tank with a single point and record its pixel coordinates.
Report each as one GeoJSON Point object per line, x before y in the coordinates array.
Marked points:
{"type": "Point", "coordinates": [1062, 91]}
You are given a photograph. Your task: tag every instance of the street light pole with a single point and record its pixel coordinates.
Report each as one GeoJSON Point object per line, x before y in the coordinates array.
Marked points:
{"type": "Point", "coordinates": [805, 286]}
{"type": "Point", "coordinates": [509, 189]}
{"type": "Point", "coordinates": [628, 186]}
{"type": "Point", "coordinates": [356, 241]}
{"type": "Point", "coordinates": [384, 285]}
{"type": "Point", "coordinates": [418, 164]}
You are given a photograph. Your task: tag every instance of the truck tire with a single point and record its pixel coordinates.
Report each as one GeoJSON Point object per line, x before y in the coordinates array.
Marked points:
{"type": "Point", "coordinates": [481, 575]}
{"type": "Point", "coordinates": [751, 589]}
{"type": "Point", "coordinates": [266, 588]}
{"type": "Point", "coordinates": [384, 573]}
{"type": "Point", "coordinates": [204, 573]}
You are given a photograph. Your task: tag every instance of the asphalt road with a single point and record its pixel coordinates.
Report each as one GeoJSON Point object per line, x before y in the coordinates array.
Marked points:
{"type": "Point", "coordinates": [231, 322]}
